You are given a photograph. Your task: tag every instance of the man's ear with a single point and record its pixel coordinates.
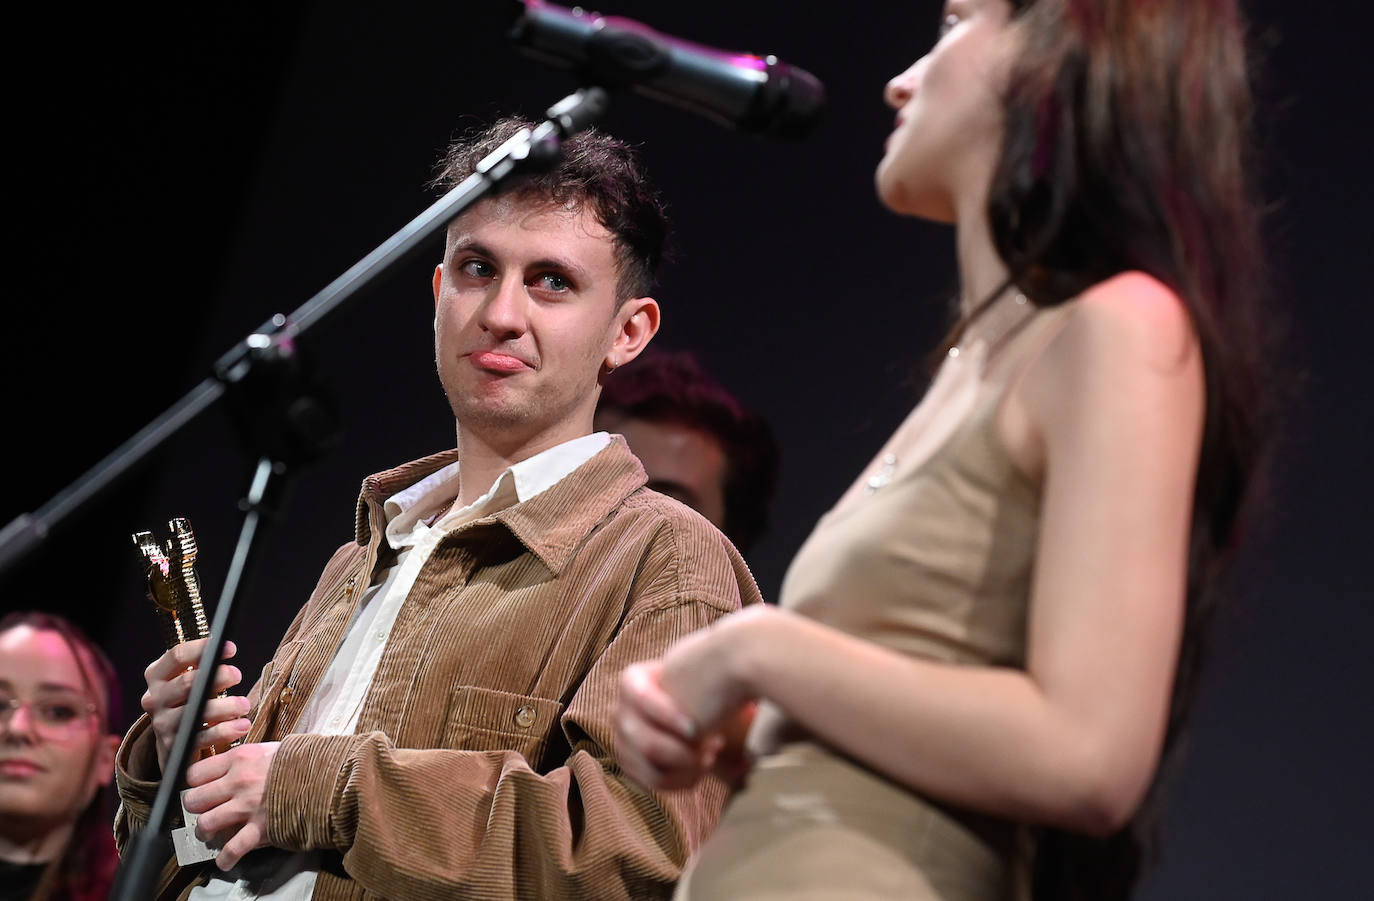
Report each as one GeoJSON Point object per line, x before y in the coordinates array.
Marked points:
{"type": "Point", "coordinates": [637, 322]}
{"type": "Point", "coordinates": [438, 280]}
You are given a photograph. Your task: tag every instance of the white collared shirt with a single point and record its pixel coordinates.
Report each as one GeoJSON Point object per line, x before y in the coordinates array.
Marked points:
{"type": "Point", "coordinates": [337, 700]}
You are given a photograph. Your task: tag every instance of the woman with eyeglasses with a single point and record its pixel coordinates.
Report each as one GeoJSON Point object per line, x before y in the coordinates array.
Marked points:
{"type": "Point", "coordinates": [58, 700]}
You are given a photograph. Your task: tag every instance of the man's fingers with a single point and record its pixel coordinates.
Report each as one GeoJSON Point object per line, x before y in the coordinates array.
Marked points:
{"type": "Point", "coordinates": [206, 800]}
{"type": "Point", "coordinates": [223, 734]}
{"type": "Point", "coordinates": [221, 710]}
{"type": "Point", "coordinates": [173, 660]}
{"type": "Point", "coordinates": [174, 691]}
{"type": "Point", "coordinates": [226, 677]}
{"type": "Point", "coordinates": [243, 841]}
{"type": "Point", "coordinates": [208, 770]}
{"type": "Point", "coordinates": [180, 657]}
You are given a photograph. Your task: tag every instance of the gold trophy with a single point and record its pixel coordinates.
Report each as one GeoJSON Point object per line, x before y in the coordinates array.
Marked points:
{"type": "Point", "coordinates": [174, 589]}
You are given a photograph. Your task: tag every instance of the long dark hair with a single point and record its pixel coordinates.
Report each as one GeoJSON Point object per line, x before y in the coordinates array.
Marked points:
{"type": "Point", "coordinates": [1127, 146]}
{"type": "Point", "coordinates": [85, 869]}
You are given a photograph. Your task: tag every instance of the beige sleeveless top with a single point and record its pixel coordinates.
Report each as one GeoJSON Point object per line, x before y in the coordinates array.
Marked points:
{"type": "Point", "coordinates": [930, 551]}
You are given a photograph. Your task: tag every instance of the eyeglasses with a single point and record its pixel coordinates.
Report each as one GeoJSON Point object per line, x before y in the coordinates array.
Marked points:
{"type": "Point", "coordinates": [51, 717]}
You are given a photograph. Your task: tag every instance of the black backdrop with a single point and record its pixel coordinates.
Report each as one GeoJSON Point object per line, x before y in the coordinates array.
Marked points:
{"type": "Point", "coordinates": [179, 175]}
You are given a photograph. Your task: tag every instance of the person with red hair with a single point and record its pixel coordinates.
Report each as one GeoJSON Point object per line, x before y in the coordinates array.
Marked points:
{"type": "Point", "coordinates": [58, 706]}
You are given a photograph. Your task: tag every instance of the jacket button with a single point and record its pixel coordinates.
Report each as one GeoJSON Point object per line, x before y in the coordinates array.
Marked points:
{"type": "Point", "coordinates": [524, 717]}
{"type": "Point", "coordinates": [286, 693]}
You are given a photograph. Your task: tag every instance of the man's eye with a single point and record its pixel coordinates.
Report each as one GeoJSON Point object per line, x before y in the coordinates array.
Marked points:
{"type": "Point", "coordinates": [477, 269]}
{"type": "Point", "coordinates": [552, 281]}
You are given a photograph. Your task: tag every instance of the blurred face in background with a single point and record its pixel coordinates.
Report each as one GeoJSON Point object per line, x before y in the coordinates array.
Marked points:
{"type": "Point", "coordinates": [54, 753]}
{"type": "Point", "coordinates": [682, 462]}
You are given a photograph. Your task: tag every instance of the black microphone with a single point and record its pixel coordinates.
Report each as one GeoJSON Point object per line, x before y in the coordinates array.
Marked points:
{"type": "Point", "coordinates": [753, 93]}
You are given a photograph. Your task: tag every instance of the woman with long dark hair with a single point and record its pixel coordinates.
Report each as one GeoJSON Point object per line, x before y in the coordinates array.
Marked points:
{"type": "Point", "coordinates": [58, 735]}
{"type": "Point", "coordinates": [984, 653]}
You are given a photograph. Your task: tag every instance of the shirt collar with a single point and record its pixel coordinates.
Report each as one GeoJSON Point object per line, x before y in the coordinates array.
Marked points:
{"type": "Point", "coordinates": [551, 522]}
{"type": "Point", "coordinates": [434, 493]}
{"type": "Point", "coordinates": [554, 524]}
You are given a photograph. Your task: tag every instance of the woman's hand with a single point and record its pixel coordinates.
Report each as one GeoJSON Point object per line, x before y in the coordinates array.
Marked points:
{"type": "Point", "coordinates": [657, 743]}
{"type": "Point", "coordinates": [688, 712]}
{"type": "Point", "coordinates": [704, 673]}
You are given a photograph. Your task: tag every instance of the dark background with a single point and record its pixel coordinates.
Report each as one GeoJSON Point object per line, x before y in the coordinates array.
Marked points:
{"type": "Point", "coordinates": [177, 176]}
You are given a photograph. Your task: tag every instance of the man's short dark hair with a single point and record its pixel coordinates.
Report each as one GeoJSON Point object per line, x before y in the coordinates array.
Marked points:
{"type": "Point", "coordinates": [672, 387]}
{"type": "Point", "coordinates": [594, 169]}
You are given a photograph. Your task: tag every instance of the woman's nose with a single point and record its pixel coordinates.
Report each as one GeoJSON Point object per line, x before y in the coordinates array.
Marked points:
{"type": "Point", "coordinates": [901, 87]}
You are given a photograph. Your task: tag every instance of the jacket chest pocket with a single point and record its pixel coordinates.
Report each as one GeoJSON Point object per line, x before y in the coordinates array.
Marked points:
{"type": "Point", "coordinates": [483, 719]}
{"type": "Point", "coordinates": [275, 693]}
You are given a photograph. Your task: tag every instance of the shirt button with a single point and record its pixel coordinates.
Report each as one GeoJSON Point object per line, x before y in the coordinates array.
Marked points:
{"type": "Point", "coordinates": [524, 717]}
{"type": "Point", "coordinates": [381, 636]}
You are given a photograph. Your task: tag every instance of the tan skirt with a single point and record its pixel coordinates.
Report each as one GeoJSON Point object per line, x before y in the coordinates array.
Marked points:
{"type": "Point", "coordinates": [813, 826]}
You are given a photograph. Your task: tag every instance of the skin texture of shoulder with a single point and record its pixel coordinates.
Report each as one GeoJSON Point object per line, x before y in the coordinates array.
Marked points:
{"type": "Point", "coordinates": [1127, 347]}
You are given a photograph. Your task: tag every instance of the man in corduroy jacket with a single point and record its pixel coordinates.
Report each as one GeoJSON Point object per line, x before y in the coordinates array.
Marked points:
{"type": "Point", "coordinates": [436, 722]}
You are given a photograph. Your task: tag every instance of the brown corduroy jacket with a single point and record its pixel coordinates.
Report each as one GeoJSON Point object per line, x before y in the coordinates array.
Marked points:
{"type": "Point", "coordinates": [482, 765]}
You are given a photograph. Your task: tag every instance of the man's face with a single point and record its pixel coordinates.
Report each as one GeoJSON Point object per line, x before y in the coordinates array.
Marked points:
{"type": "Point", "coordinates": [681, 461]}
{"type": "Point", "coordinates": [525, 316]}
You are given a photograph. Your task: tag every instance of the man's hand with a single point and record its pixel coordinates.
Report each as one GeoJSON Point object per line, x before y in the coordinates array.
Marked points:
{"type": "Point", "coordinates": [169, 679]}
{"type": "Point", "coordinates": [227, 792]}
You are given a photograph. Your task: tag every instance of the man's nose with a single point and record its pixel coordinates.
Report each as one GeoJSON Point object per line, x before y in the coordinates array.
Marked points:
{"type": "Point", "coordinates": [505, 313]}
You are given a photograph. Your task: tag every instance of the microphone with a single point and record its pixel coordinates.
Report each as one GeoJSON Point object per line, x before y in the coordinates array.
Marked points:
{"type": "Point", "coordinates": [753, 93]}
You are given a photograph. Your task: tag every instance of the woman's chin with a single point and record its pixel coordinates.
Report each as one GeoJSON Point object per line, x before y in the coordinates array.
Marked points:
{"type": "Point", "coordinates": [900, 198]}
{"type": "Point", "coordinates": [891, 192]}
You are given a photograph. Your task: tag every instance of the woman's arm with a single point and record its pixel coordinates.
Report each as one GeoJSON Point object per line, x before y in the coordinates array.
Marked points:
{"type": "Point", "coordinates": [1114, 409]}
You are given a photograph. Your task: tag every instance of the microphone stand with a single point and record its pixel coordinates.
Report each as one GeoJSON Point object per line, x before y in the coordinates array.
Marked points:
{"type": "Point", "coordinates": [286, 420]}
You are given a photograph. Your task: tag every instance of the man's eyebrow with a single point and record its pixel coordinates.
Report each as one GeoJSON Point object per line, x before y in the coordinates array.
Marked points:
{"type": "Point", "coordinates": [467, 243]}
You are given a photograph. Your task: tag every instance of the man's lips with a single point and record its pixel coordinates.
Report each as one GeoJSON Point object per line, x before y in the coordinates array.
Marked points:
{"type": "Point", "coordinates": [493, 361]}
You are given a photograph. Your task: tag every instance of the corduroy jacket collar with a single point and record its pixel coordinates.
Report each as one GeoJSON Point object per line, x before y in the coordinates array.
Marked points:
{"type": "Point", "coordinates": [551, 524]}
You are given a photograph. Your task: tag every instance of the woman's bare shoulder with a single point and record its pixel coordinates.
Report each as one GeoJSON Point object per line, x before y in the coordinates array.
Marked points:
{"type": "Point", "coordinates": [1132, 316]}
{"type": "Point", "coordinates": [1130, 324]}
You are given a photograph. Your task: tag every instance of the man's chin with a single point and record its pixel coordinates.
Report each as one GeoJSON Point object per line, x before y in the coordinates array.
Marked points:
{"type": "Point", "coordinates": [491, 413]}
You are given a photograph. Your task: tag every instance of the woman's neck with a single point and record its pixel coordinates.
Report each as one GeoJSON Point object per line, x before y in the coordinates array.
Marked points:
{"type": "Point", "coordinates": [981, 270]}
{"type": "Point", "coordinates": [36, 845]}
